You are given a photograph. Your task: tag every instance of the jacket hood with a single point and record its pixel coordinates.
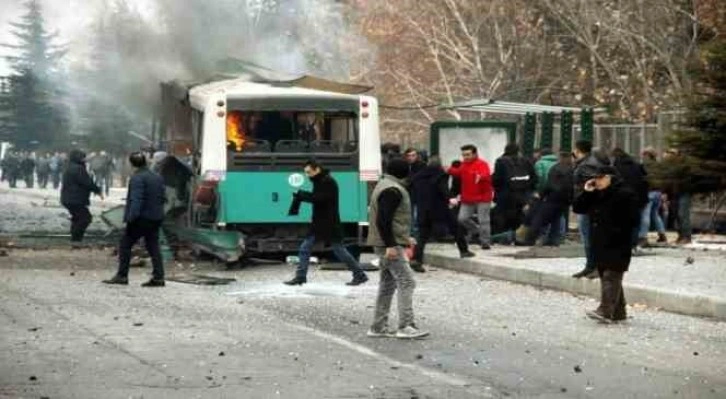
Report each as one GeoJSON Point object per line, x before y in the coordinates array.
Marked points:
{"type": "Point", "coordinates": [551, 157]}
{"type": "Point", "coordinates": [77, 156]}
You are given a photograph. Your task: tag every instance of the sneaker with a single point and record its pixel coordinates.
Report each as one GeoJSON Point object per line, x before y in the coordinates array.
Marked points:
{"type": "Point", "coordinates": [154, 283]}
{"type": "Point", "coordinates": [385, 333]}
{"type": "Point", "coordinates": [357, 281]}
{"type": "Point", "coordinates": [599, 317]}
{"type": "Point", "coordinates": [593, 275]}
{"type": "Point", "coordinates": [582, 273]}
{"type": "Point", "coordinates": [411, 332]}
{"type": "Point", "coordinates": [117, 280]}
{"type": "Point", "coordinates": [468, 254]}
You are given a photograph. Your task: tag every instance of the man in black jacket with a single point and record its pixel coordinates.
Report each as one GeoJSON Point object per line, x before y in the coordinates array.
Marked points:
{"type": "Point", "coordinates": [143, 216]}
{"type": "Point", "coordinates": [326, 226]}
{"type": "Point", "coordinates": [555, 200]}
{"type": "Point", "coordinates": [586, 165]}
{"type": "Point", "coordinates": [634, 177]}
{"type": "Point", "coordinates": [430, 188]}
{"type": "Point", "coordinates": [614, 212]}
{"type": "Point", "coordinates": [75, 194]}
{"type": "Point", "coordinates": [514, 181]}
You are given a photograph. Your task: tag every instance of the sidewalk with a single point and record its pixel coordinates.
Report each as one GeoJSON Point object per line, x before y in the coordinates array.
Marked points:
{"type": "Point", "coordinates": [687, 281]}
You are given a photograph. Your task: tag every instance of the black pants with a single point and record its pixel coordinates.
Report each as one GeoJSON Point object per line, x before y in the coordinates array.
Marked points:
{"type": "Point", "coordinates": [426, 223]}
{"type": "Point", "coordinates": [43, 180]}
{"type": "Point", "coordinates": [149, 230]}
{"type": "Point", "coordinates": [56, 177]}
{"type": "Point", "coordinates": [80, 220]}
{"type": "Point", "coordinates": [546, 213]}
{"type": "Point", "coordinates": [612, 302]}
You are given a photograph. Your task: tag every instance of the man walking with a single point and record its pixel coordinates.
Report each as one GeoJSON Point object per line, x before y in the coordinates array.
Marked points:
{"type": "Point", "coordinates": [586, 164]}
{"type": "Point", "coordinates": [431, 192]}
{"type": "Point", "coordinates": [75, 195]}
{"type": "Point", "coordinates": [555, 199]}
{"type": "Point", "coordinates": [43, 171]}
{"type": "Point", "coordinates": [476, 193]}
{"type": "Point", "coordinates": [143, 217]}
{"type": "Point", "coordinates": [614, 212]}
{"type": "Point", "coordinates": [389, 234]}
{"type": "Point", "coordinates": [325, 227]}
{"type": "Point", "coordinates": [27, 166]}
{"type": "Point", "coordinates": [56, 168]}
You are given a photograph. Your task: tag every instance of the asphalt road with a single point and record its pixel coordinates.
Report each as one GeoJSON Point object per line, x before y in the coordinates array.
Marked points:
{"type": "Point", "coordinates": [65, 335]}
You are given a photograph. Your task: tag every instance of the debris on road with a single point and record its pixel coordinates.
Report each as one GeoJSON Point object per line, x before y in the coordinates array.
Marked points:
{"type": "Point", "coordinates": [689, 261]}
{"type": "Point", "coordinates": [578, 369]}
{"type": "Point", "coordinates": [138, 324]}
{"type": "Point", "coordinates": [200, 279]}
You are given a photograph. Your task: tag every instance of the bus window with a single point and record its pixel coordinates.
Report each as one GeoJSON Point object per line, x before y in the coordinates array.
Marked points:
{"type": "Point", "coordinates": [290, 131]}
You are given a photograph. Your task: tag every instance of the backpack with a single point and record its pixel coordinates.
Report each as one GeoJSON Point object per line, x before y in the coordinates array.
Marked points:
{"type": "Point", "coordinates": [519, 179]}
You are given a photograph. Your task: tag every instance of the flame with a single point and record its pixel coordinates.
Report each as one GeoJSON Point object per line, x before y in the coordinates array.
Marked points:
{"type": "Point", "coordinates": [235, 132]}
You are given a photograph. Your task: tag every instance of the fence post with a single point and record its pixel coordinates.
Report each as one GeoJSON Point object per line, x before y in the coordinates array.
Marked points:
{"type": "Point", "coordinates": [548, 124]}
{"type": "Point", "coordinates": [566, 131]}
{"type": "Point", "coordinates": [586, 123]}
{"type": "Point", "coordinates": [530, 126]}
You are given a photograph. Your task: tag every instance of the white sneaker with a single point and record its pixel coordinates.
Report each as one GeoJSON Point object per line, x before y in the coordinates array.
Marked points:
{"type": "Point", "coordinates": [386, 333]}
{"type": "Point", "coordinates": [411, 332]}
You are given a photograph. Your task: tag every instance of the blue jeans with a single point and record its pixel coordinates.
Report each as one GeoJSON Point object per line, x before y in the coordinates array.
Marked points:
{"type": "Point", "coordinates": [339, 250]}
{"type": "Point", "coordinates": [583, 222]}
{"type": "Point", "coordinates": [650, 215]}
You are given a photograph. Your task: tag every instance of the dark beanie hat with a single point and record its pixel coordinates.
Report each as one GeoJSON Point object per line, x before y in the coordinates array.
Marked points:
{"type": "Point", "coordinates": [397, 167]}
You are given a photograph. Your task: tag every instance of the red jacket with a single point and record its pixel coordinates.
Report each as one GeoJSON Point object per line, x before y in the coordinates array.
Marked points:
{"type": "Point", "coordinates": [476, 181]}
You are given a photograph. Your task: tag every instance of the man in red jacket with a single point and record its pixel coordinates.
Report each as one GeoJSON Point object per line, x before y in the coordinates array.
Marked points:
{"type": "Point", "coordinates": [476, 193]}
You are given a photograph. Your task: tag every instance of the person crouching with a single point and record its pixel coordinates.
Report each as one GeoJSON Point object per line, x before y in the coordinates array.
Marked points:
{"type": "Point", "coordinates": [614, 212]}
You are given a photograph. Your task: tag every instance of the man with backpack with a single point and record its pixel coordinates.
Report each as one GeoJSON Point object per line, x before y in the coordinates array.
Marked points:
{"type": "Point", "coordinates": [514, 181]}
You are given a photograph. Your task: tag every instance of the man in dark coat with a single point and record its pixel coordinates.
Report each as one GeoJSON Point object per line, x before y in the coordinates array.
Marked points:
{"type": "Point", "coordinates": [27, 167]}
{"type": "Point", "coordinates": [431, 194]}
{"type": "Point", "coordinates": [514, 181]}
{"type": "Point", "coordinates": [555, 200]}
{"type": "Point", "coordinates": [43, 171]}
{"type": "Point", "coordinates": [634, 177]}
{"type": "Point", "coordinates": [76, 193]}
{"type": "Point", "coordinates": [586, 163]}
{"type": "Point", "coordinates": [326, 226]}
{"type": "Point", "coordinates": [143, 216]}
{"type": "Point", "coordinates": [614, 213]}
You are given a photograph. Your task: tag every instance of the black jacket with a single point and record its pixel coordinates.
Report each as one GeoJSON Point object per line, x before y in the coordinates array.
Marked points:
{"type": "Point", "coordinates": [634, 177]}
{"type": "Point", "coordinates": [614, 213]}
{"type": "Point", "coordinates": [508, 187]}
{"type": "Point", "coordinates": [559, 187]}
{"type": "Point", "coordinates": [430, 189]}
{"type": "Point", "coordinates": [146, 197]}
{"type": "Point", "coordinates": [326, 216]}
{"type": "Point", "coordinates": [77, 185]}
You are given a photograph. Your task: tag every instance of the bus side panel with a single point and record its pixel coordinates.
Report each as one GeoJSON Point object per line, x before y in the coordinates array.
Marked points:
{"type": "Point", "coordinates": [265, 197]}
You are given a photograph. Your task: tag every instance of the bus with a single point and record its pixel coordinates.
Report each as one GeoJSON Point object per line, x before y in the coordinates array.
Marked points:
{"type": "Point", "coordinates": [246, 141]}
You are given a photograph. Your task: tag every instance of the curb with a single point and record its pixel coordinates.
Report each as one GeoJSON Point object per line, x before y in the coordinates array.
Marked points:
{"type": "Point", "coordinates": [676, 302]}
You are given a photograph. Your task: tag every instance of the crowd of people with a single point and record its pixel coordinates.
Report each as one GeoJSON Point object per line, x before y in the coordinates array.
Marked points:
{"type": "Point", "coordinates": [45, 170]}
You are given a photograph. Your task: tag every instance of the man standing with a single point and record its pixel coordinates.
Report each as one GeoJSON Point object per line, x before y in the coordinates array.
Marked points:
{"type": "Point", "coordinates": [143, 217]}
{"type": "Point", "coordinates": [389, 234]}
{"type": "Point", "coordinates": [56, 168]}
{"type": "Point", "coordinates": [651, 212]}
{"type": "Point", "coordinates": [43, 171]}
{"type": "Point", "coordinates": [614, 213]}
{"type": "Point", "coordinates": [586, 164]}
{"type": "Point", "coordinates": [27, 167]}
{"type": "Point", "coordinates": [75, 194]}
{"type": "Point", "coordinates": [543, 166]}
{"type": "Point", "coordinates": [476, 193]}
{"type": "Point", "coordinates": [415, 165]}
{"type": "Point", "coordinates": [431, 193]}
{"type": "Point", "coordinates": [633, 175]}
{"type": "Point", "coordinates": [326, 226]}
{"type": "Point", "coordinates": [514, 181]}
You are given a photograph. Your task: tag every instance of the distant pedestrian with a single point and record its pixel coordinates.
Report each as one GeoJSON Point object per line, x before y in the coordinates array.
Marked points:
{"type": "Point", "coordinates": [27, 168]}
{"type": "Point", "coordinates": [43, 171]}
{"type": "Point", "coordinates": [614, 213]}
{"type": "Point", "coordinates": [56, 169]}
{"type": "Point", "coordinates": [431, 193]}
{"type": "Point", "coordinates": [514, 183]}
{"type": "Point", "coordinates": [415, 165]}
{"type": "Point", "coordinates": [12, 164]}
{"type": "Point", "coordinates": [143, 216]}
{"type": "Point", "coordinates": [651, 212]}
{"type": "Point", "coordinates": [542, 167]}
{"type": "Point", "coordinates": [680, 185]}
{"type": "Point", "coordinates": [476, 194]}
{"type": "Point", "coordinates": [586, 164]}
{"type": "Point", "coordinates": [76, 193]}
{"type": "Point", "coordinates": [389, 235]}
{"type": "Point", "coordinates": [325, 226]}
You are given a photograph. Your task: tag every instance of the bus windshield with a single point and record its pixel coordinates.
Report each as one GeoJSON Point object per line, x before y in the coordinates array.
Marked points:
{"type": "Point", "coordinates": [291, 131]}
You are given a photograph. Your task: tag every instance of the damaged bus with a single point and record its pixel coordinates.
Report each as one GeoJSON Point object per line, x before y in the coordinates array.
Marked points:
{"type": "Point", "coordinates": [246, 140]}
